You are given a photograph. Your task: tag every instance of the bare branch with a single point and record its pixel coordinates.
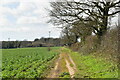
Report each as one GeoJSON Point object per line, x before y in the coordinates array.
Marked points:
{"type": "Point", "coordinates": [113, 13]}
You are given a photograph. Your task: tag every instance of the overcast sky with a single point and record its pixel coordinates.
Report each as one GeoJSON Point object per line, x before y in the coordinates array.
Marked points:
{"type": "Point", "coordinates": [25, 19]}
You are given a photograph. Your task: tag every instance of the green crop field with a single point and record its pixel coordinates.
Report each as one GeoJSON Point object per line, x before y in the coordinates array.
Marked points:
{"type": "Point", "coordinates": [26, 62]}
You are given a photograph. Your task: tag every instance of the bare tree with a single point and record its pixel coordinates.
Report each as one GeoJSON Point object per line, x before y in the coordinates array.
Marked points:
{"type": "Point", "coordinates": [94, 12]}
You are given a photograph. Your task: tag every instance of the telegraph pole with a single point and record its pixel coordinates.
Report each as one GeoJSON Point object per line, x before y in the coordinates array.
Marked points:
{"type": "Point", "coordinates": [49, 33]}
{"type": "Point", "coordinates": [8, 39]}
{"type": "Point", "coordinates": [8, 42]}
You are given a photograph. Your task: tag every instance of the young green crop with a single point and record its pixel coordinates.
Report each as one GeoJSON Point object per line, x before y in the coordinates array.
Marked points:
{"type": "Point", "coordinates": [26, 62]}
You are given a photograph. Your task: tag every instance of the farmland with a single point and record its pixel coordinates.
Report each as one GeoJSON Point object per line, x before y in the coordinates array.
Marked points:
{"type": "Point", "coordinates": [62, 62]}
{"type": "Point", "coordinates": [26, 62]}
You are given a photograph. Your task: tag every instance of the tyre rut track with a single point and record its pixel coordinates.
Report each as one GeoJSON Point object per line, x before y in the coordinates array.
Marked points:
{"type": "Point", "coordinates": [63, 64]}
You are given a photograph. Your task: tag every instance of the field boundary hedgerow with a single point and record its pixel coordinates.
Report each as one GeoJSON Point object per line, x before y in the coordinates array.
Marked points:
{"type": "Point", "coordinates": [89, 66]}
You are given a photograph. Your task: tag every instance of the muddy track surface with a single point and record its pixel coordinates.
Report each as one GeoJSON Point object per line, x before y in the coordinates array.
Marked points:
{"type": "Point", "coordinates": [64, 63]}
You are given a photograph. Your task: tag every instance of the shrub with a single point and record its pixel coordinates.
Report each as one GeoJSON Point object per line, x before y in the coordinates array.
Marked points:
{"type": "Point", "coordinates": [107, 48]}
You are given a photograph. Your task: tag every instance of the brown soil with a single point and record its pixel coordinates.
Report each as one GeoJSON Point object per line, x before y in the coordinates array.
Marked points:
{"type": "Point", "coordinates": [63, 64]}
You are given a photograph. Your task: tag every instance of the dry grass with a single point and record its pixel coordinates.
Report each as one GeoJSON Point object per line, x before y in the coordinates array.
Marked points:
{"type": "Point", "coordinates": [107, 49]}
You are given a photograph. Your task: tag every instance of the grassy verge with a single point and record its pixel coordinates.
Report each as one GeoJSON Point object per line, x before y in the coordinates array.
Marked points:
{"type": "Point", "coordinates": [91, 67]}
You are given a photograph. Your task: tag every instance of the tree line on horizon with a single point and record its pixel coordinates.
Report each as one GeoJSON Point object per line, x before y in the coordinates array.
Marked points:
{"type": "Point", "coordinates": [42, 42]}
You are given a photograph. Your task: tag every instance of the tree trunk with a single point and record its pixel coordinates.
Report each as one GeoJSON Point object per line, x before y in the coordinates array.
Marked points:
{"type": "Point", "coordinates": [105, 21]}
{"type": "Point", "coordinates": [119, 40]}
{"type": "Point", "coordinates": [104, 26]}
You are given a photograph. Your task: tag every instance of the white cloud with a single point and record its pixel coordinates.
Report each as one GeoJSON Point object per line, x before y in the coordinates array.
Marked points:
{"type": "Point", "coordinates": [15, 29]}
{"type": "Point", "coordinates": [4, 21]}
{"type": "Point", "coordinates": [25, 11]}
{"type": "Point", "coordinates": [25, 6]}
{"type": "Point", "coordinates": [10, 1]}
{"type": "Point", "coordinates": [4, 10]}
{"type": "Point", "coordinates": [30, 19]}
{"type": "Point", "coordinates": [3, 16]}
{"type": "Point", "coordinates": [7, 1]}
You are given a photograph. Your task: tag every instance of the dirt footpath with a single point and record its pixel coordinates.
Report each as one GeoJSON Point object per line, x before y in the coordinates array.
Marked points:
{"type": "Point", "coordinates": [64, 63]}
